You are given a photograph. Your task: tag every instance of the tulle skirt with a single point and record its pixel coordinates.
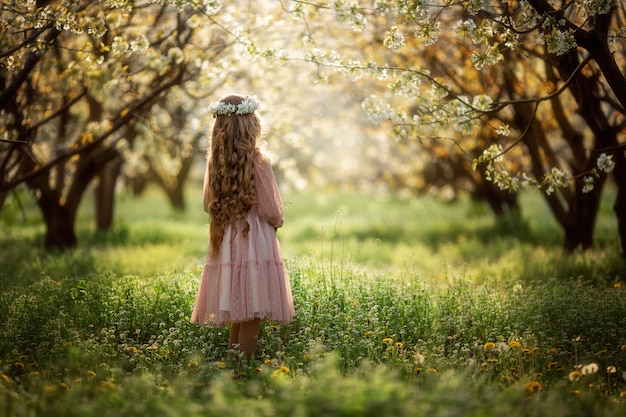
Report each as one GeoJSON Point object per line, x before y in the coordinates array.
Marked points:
{"type": "Point", "coordinates": [247, 280]}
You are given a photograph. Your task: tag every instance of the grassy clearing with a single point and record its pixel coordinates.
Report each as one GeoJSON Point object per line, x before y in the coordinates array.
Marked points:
{"type": "Point", "coordinates": [404, 307]}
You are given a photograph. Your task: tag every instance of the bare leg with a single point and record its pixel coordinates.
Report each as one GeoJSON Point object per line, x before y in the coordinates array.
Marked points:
{"type": "Point", "coordinates": [248, 335]}
{"type": "Point", "coordinates": [234, 336]}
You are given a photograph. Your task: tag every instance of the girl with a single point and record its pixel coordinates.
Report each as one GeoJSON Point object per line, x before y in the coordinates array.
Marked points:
{"type": "Point", "coordinates": [244, 279]}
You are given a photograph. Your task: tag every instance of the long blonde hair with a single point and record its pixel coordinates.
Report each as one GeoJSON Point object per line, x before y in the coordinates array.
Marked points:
{"type": "Point", "coordinates": [231, 171]}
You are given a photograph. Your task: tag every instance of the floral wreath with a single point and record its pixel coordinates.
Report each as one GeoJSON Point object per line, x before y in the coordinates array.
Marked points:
{"type": "Point", "coordinates": [247, 106]}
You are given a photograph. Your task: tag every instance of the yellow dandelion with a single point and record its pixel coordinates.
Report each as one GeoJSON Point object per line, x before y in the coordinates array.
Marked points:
{"type": "Point", "coordinates": [622, 394]}
{"type": "Point", "coordinates": [284, 369]}
{"type": "Point", "coordinates": [64, 386]}
{"type": "Point", "coordinates": [91, 374]}
{"type": "Point", "coordinates": [367, 333]}
{"type": "Point", "coordinates": [399, 345]}
{"type": "Point", "coordinates": [515, 344]}
{"type": "Point", "coordinates": [221, 365]}
{"type": "Point", "coordinates": [489, 346]}
{"type": "Point", "coordinates": [18, 365]}
{"type": "Point", "coordinates": [623, 348]}
{"type": "Point", "coordinates": [48, 389]}
{"type": "Point", "coordinates": [552, 351]}
{"type": "Point", "coordinates": [276, 373]}
{"type": "Point", "coordinates": [388, 340]}
{"type": "Point", "coordinates": [574, 376]}
{"type": "Point", "coordinates": [431, 370]}
{"type": "Point", "coordinates": [534, 350]}
{"type": "Point", "coordinates": [492, 360]}
{"type": "Point", "coordinates": [107, 385]}
{"type": "Point", "coordinates": [553, 365]}
{"type": "Point", "coordinates": [192, 364]}
{"type": "Point", "coordinates": [611, 369]}
{"type": "Point", "coordinates": [268, 361]}
{"type": "Point", "coordinates": [575, 392]}
{"type": "Point", "coordinates": [33, 374]}
{"type": "Point", "coordinates": [533, 386]}
{"type": "Point", "coordinates": [417, 369]}
{"type": "Point", "coordinates": [617, 285]}
{"type": "Point", "coordinates": [308, 357]}
{"type": "Point", "coordinates": [258, 369]}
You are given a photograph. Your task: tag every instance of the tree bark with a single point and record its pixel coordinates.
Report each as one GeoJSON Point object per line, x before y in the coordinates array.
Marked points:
{"type": "Point", "coordinates": [105, 194]}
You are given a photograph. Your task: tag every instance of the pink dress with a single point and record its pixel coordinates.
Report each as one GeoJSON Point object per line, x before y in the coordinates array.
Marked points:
{"type": "Point", "coordinates": [248, 279]}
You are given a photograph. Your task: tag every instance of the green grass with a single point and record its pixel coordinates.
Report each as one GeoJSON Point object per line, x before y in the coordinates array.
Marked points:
{"type": "Point", "coordinates": [404, 307]}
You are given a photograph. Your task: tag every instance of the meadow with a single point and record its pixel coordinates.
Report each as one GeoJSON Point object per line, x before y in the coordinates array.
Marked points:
{"type": "Point", "coordinates": [405, 307]}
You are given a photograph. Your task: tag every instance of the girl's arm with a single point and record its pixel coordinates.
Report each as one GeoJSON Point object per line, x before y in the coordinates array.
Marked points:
{"type": "Point", "coordinates": [268, 196]}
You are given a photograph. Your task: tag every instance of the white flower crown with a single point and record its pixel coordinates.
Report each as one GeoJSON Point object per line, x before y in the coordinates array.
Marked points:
{"type": "Point", "coordinates": [247, 106]}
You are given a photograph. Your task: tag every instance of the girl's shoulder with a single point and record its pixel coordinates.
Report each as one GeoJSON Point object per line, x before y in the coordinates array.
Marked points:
{"type": "Point", "coordinates": [262, 158]}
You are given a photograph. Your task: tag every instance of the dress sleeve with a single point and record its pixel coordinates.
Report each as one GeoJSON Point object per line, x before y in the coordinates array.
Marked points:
{"type": "Point", "coordinates": [268, 197]}
{"type": "Point", "coordinates": [206, 194]}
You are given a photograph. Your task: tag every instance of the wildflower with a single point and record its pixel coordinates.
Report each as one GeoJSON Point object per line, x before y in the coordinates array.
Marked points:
{"type": "Point", "coordinates": [623, 348]}
{"type": "Point", "coordinates": [574, 376]}
{"type": "Point", "coordinates": [552, 365]}
{"type": "Point", "coordinates": [592, 368]}
{"type": "Point", "coordinates": [388, 340]}
{"type": "Point", "coordinates": [489, 346]}
{"type": "Point", "coordinates": [617, 285]}
{"type": "Point", "coordinates": [533, 386]}
{"type": "Point", "coordinates": [192, 364]}
{"type": "Point", "coordinates": [64, 386]}
{"type": "Point", "coordinates": [91, 374]}
{"type": "Point", "coordinates": [106, 385]}
{"type": "Point", "coordinates": [431, 370]}
{"type": "Point", "coordinates": [552, 351]}
{"type": "Point", "coordinates": [611, 370]}
{"type": "Point", "coordinates": [622, 394]}
{"type": "Point", "coordinates": [48, 389]}
{"type": "Point", "coordinates": [284, 369]}
{"type": "Point", "coordinates": [575, 392]}
{"type": "Point", "coordinates": [18, 365]}
{"type": "Point", "coordinates": [5, 377]}
{"type": "Point", "coordinates": [258, 369]}
{"type": "Point", "coordinates": [33, 374]}
{"type": "Point", "coordinates": [221, 365]}
{"type": "Point", "coordinates": [399, 345]}
{"type": "Point", "coordinates": [307, 357]}
{"type": "Point", "coordinates": [268, 361]}
{"type": "Point", "coordinates": [515, 344]}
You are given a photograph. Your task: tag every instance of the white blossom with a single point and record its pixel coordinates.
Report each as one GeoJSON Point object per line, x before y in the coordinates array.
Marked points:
{"type": "Point", "coordinates": [605, 163]}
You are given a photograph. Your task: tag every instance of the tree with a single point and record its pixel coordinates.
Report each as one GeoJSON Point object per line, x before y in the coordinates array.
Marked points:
{"type": "Point", "coordinates": [543, 77]}
{"type": "Point", "coordinates": [76, 76]}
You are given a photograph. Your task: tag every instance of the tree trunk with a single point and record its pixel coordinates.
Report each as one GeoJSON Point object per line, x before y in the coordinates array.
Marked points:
{"type": "Point", "coordinates": [176, 197]}
{"type": "Point", "coordinates": [105, 194]}
{"type": "Point", "coordinates": [60, 233]}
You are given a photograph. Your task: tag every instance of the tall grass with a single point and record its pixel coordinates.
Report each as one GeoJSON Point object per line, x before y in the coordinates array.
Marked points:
{"type": "Point", "coordinates": [404, 307]}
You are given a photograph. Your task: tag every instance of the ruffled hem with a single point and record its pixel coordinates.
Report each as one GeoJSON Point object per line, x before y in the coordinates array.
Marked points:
{"type": "Point", "coordinates": [256, 290]}
{"type": "Point", "coordinates": [247, 281]}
